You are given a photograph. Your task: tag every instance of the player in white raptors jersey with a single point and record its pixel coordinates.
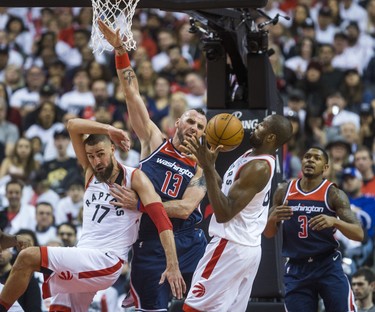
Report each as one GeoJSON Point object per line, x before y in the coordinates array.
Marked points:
{"type": "Point", "coordinates": [73, 275]}
{"type": "Point", "coordinates": [225, 275]}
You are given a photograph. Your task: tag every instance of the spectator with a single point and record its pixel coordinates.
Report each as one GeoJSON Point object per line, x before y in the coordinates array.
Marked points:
{"type": "Point", "coordinates": [354, 90]}
{"type": "Point", "coordinates": [158, 107]}
{"type": "Point", "coordinates": [58, 168]}
{"type": "Point", "coordinates": [325, 28]}
{"type": "Point", "coordinates": [165, 38]}
{"type": "Point", "coordinates": [365, 164]}
{"type": "Point", "coordinates": [42, 191]}
{"type": "Point", "coordinates": [27, 99]}
{"type": "Point", "coordinates": [363, 288]}
{"type": "Point", "coordinates": [47, 123]}
{"type": "Point", "coordinates": [339, 152]}
{"type": "Point", "coordinates": [196, 91]}
{"type": "Point", "coordinates": [44, 229]}
{"type": "Point", "coordinates": [20, 38]}
{"type": "Point", "coordinates": [20, 164]}
{"type": "Point", "coordinates": [67, 232]}
{"type": "Point", "coordinates": [8, 131]}
{"type": "Point", "coordinates": [367, 130]}
{"type": "Point", "coordinates": [16, 215]}
{"type": "Point", "coordinates": [80, 97]}
{"type": "Point", "coordinates": [68, 208]}
{"type": "Point", "coordinates": [351, 11]}
{"type": "Point", "coordinates": [360, 252]}
{"type": "Point", "coordinates": [336, 113]}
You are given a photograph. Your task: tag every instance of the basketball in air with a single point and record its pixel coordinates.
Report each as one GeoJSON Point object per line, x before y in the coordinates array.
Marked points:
{"type": "Point", "coordinates": [224, 129]}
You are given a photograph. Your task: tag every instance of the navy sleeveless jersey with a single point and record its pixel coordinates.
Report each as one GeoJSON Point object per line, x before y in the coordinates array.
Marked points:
{"type": "Point", "coordinates": [170, 173]}
{"type": "Point", "coordinates": [300, 240]}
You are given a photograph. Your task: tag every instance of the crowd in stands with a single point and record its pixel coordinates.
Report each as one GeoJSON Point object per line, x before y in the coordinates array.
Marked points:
{"type": "Point", "coordinates": [323, 59]}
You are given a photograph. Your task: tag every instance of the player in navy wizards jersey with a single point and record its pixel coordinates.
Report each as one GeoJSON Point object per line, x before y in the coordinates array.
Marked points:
{"type": "Point", "coordinates": [177, 179]}
{"type": "Point", "coordinates": [311, 209]}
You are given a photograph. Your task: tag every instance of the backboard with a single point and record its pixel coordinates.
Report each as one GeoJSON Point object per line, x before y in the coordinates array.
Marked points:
{"type": "Point", "coordinates": [168, 5]}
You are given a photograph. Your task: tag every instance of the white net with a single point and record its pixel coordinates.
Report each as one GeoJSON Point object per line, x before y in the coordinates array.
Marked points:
{"type": "Point", "coordinates": [116, 14]}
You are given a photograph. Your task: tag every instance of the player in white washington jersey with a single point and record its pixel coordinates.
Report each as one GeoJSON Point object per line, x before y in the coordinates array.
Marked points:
{"type": "Point", "coordinates": [73, 275]}
{"type": "Point", "coordinates": [225, 275]}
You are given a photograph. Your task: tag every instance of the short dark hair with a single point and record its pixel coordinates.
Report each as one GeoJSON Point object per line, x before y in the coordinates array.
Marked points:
{"type": "Point", "coordinates": [29, 232]}
{"type": "Point", "coordinates": [367, 273]}
{"type": "Point", "coordinates": [45, 204]}
{"type": "Point", "coordinates": [14, 181]}
{"type": "Point", "coordinates": [94, 139]}
{"type": "Point", "coordinates": [325, 154]}
{"type": "Point", "coordinates": [69, 224]}
{"type": "Point", "coordinates": [200, 111]}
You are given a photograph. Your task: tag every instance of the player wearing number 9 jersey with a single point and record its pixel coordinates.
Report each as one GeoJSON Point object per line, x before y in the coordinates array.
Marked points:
{"type": "Point", "coordinates": [310, 210]}
{"type": "Point", "coordinates": [73, 275]}
{"type": "Point", "coordinates": [224, 276]}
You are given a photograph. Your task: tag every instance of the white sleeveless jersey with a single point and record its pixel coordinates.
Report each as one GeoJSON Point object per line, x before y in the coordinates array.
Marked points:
{"type": "Point", "coordinates": [246, 227]}
{"type": "Point", "coordinates": [105, 226]}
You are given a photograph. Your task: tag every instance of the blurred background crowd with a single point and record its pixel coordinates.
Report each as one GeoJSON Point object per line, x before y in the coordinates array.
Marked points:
{"type": "Point", "coordinates": [323, 59]}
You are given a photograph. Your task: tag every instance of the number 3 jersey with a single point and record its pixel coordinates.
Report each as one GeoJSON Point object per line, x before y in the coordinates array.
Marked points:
{"type": "Point", "coordinates": [246, 227]}
{"type": "Point", "coordinates": [170, 172]}
{"type": "Point", "coordinates": [106, 226]}
{"type": "Point", "coordinates": [301, 241]}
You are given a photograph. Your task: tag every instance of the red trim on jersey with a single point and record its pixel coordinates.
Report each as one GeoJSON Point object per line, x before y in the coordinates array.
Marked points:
{"type": "Point", "coordinates": [46, 291]}
{"type": "Point", "coordinates": [215, 258]}
{"type": "Point", "coordinates": [59, 308]}
{"type": "Point", "coordinates": [170, 150]}
{"type": "Point", "coordinates": [88, 182]}
{"type": "Point", "coordinates": [187, 308]}
{"type": "Point", "coordinates": [159, 216]}
{"type": "Point", "coordinates": [102, 272]}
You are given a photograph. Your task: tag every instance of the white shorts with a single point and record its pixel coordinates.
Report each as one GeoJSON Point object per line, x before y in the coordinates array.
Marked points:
{"type": "Point", "coordinates": [77, 274]}
{"type": "Point", "coordinates": [224, 277]}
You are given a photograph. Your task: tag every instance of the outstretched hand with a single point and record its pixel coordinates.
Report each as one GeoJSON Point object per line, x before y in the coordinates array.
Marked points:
{"type": "Point", "coordinates": [112, 36]}
{"type": "Point", "coordinates": [192, 148]}
{"type": "Point", "coordinates": [175, 280]}
{"type": "Point", "coordinates": [120, 138]}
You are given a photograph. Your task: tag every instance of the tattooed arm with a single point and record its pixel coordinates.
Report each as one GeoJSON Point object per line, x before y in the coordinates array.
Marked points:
{"type": "Point", "coordinates": [347, 223]}
{"type": "Point", "coordinates": [193, 195]}
{"type": "Point", "coordinates": [146, 130]}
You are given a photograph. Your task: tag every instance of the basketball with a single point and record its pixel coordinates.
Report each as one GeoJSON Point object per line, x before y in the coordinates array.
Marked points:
{"type": "Point", "coordinates": [224, 129]}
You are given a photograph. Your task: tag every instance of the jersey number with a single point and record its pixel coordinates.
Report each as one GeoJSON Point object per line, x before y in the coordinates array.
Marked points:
{"type": "Point", "coordinates": [176, 184]}
{"type": "Point", "coordinates": [103, 213]}
{"type": "Point", "coordinates": [303, 225]}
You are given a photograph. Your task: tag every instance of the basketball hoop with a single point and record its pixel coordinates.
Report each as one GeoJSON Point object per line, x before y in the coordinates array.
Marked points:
{"type": "Point", "coordinates": [116, 14]}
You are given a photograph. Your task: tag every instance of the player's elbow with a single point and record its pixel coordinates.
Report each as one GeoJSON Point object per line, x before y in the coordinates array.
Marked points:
{"type": "Point", "coordinates": [72, 124]}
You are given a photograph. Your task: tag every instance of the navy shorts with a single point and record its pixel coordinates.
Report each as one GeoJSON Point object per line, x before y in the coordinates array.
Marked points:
{"type": "Point", "coordinates": [149, 263]}
{"type": "Point", "coordinates": [306, 280]}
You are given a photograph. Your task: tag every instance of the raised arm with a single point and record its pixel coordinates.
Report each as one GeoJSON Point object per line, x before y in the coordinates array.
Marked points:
{"type": "Point", "coordinates": [278, 212]}
{"type": "Point", "coordinates": [146, 130]}
{"type": "Point", "coordinates": [154, 208]}
{"type": "Point", "coordinates": [347, 223]}
{"type": "Point", "coordinates": [78, 127]}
